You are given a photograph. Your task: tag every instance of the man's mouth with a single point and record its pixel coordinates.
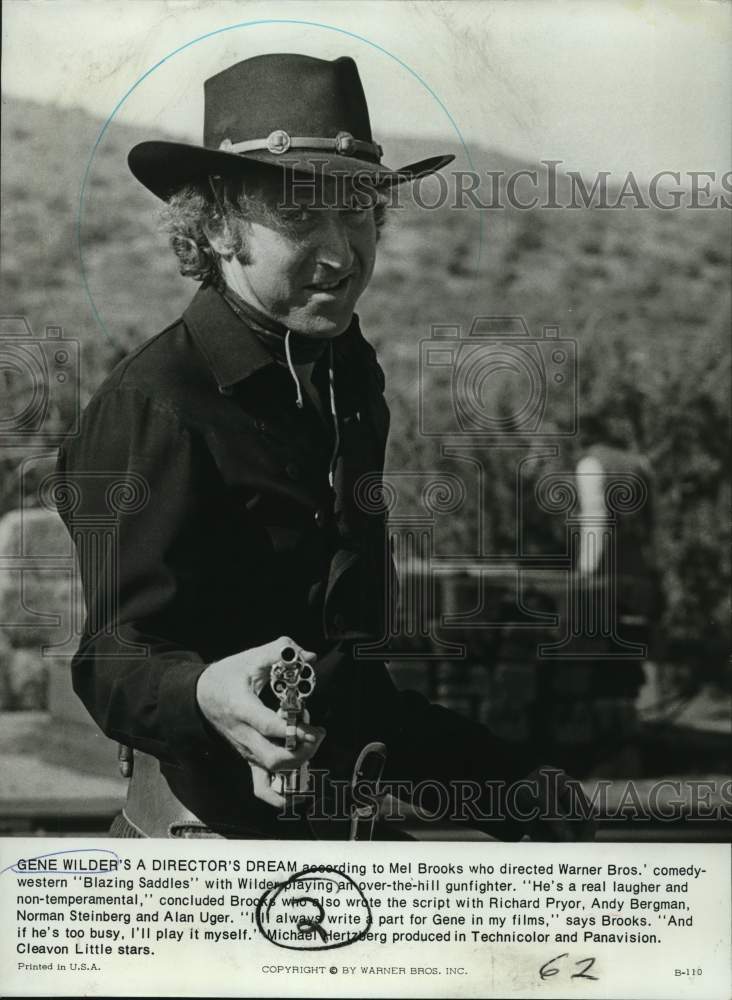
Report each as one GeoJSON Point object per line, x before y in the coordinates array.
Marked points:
{"type": "Point", "coordinates": [330, 286]}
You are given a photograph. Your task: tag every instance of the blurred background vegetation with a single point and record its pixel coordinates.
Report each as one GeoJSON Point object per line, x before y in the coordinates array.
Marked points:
{"type": "Point", "coordinates": [645, 293]}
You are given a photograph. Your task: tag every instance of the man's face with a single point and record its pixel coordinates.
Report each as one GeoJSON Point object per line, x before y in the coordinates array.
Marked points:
{"type": "Point", "coordinates": [305, 266]}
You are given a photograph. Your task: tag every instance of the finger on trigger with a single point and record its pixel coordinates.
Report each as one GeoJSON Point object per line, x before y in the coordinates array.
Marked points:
{"type": "Point", "coordinates": [310, 734]}
{"type": "Point", "coordinates": [267, 754]}
{"type": "Point", "coordinates": [264, 720]}
{"type": "Point", "coordinates": [280, 759]}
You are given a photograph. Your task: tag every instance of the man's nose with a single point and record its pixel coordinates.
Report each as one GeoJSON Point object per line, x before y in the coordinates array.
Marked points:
{"type": "Point", "coordinates": [334, 243]}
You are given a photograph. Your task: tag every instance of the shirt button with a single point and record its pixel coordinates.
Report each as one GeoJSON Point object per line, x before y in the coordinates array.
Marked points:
{"type": "Point", "coordinates": [225, 390]}
{"type": "Point", "coordinates": [292, 470]}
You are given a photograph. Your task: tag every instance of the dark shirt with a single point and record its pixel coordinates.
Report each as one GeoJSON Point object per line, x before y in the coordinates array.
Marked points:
{"type": "Point", "coordinates": [205, 524]}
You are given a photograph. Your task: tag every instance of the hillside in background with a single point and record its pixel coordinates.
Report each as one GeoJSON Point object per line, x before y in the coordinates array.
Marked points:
{"type": "Point", "coordinates": [644, 293]}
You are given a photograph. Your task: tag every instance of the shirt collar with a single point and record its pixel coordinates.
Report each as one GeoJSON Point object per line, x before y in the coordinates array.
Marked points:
{"type": "Point", "coordinates": [230, 346]}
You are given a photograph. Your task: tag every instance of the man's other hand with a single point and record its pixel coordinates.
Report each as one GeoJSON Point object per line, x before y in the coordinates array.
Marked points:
{"type": "Point", "coordinates": [228, 696]}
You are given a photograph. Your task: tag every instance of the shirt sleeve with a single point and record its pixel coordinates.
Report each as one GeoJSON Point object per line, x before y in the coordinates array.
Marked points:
{"type": "Point", "coordinates": [129, 500]}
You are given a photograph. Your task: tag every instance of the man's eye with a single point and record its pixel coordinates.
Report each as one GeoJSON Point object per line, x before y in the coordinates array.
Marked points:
{"type": "Point", "coordinates": [306, 216]}
{"type": "Point", "coordinates": [295, 215]}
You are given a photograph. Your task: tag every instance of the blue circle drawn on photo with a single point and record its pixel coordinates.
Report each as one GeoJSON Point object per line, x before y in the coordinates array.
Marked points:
{"type": "Point", "coordinates": [211, 34]}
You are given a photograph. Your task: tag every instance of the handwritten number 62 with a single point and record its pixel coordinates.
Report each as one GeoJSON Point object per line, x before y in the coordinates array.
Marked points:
{"type": "Point", "coordinates": [548, 969]}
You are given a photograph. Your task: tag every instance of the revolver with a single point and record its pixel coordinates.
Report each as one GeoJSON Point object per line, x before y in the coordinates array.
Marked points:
{"type": "Point", "coordinates": [292, 679]}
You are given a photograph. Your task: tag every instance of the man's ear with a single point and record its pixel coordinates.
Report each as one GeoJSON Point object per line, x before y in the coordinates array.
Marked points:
{"type": "Point", "coordinates": [217, 230]}
{"type": "Point", "coordinates": [224, 243]}
{"type": "Point", "coordinates": [218, 235]}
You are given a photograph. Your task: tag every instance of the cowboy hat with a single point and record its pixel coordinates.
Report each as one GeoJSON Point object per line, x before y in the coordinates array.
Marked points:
{"type": "Point", "coordinates": [293, 111]}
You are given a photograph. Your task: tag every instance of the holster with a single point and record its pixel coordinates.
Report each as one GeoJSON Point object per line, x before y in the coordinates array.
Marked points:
{"type": "Point", "coordinates": [151, 807]}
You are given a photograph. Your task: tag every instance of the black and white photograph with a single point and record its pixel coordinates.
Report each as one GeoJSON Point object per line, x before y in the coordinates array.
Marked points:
{"type": "Point", "coordinates": [364, 437]}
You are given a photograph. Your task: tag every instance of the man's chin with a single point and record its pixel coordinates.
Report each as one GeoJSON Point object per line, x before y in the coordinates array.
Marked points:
{"type": "Point", "coordinates": [321, 326]}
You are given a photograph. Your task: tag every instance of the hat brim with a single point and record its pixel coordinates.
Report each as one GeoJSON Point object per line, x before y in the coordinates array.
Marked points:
{"type": "Point", "coordinates": [166, 167]}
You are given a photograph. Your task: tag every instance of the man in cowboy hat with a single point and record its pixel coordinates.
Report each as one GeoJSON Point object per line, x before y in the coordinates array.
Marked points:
{"type": "Point", "coordinates": [251, 421]}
